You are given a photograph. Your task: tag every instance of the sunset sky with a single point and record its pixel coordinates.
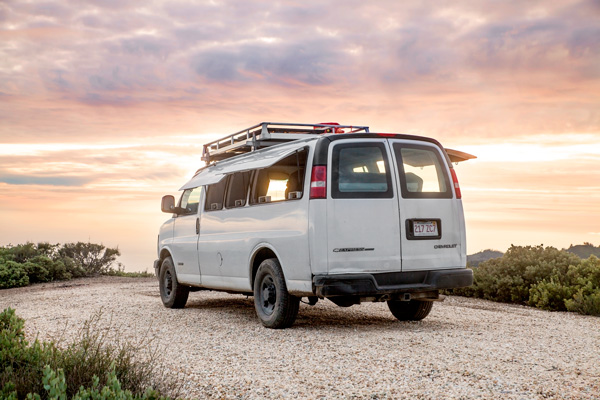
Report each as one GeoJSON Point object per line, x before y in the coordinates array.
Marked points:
{"type": "Point", "coordinates": [105, 105]}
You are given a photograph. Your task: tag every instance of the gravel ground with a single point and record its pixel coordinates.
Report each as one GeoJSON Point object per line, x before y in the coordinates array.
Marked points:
{"type": "Point", "coordinates": [466, 348]}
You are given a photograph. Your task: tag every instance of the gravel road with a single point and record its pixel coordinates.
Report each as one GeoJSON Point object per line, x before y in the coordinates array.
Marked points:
{"type": "Point", "coordinates": [465, 349]}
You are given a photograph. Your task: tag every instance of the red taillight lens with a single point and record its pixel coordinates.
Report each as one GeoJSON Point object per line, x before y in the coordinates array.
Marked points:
{"type": "Point", "coordinates": [318, 182]}
{"type": "Point", "coordinates": [455, 184]}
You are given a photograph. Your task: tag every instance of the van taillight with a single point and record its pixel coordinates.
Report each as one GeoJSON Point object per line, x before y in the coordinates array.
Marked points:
{"type": "Point", "coordinates": [455, 183]}
{"type": "Point", "coordinates": [318, 182]}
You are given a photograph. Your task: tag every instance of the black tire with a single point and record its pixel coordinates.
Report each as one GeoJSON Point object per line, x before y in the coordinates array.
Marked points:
{"type": "Point", "coordinates": [275, 307]}
{"type": "Point", "coordinates": [410, 310]}
{"type": "Point", "coordinates": [172, 293]}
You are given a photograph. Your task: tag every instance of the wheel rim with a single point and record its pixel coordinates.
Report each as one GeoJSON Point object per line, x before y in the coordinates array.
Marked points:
{"type": "Point", "coordinates": [168, 282]}
{"type": "Point", "coordinates": [268, 295]}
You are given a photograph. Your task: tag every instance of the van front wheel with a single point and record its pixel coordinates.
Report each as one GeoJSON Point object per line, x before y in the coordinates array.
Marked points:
{"type": "Point", "coordinates": [410, 310]}
{"type": "Point", "coordinates": [172, 293]}
{"type": "Point", "coordinates": [275, 307]}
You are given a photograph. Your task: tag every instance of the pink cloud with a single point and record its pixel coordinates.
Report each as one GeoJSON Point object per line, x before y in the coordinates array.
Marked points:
{"type": "Point", "coordinates": [156, 83]}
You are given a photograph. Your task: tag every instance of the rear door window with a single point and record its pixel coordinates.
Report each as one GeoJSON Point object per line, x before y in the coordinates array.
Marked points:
{"type": "Point", "coordinates": [361, 170]}
{"type": "Point", "coordinates": [422, 172]}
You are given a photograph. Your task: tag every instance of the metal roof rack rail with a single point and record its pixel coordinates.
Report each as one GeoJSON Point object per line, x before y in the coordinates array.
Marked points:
{"type": "Point", "coordinates": [268, 134]}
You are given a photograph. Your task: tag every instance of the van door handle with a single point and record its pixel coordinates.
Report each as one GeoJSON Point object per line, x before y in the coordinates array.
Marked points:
{"type": "Point", "coordinates": [197, 225]}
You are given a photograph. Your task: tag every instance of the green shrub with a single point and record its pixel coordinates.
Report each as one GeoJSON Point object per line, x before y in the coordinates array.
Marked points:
{"type": "Point", "coordinates": [56, 388]}
{"type": "Point", "coordinates": [28, 263]}
{"type": "Point", "coordinates": [24, 367]}
{"type": "Point", "coordinates": [36, 272]}
{"type": "Point", "coordinates": [546, 278]}
{"type": "Point", "coordinates": [12, 274]}
{"type": "Point", "coordinates": [550, 294]}
{"type": "Point", "coordinates": [588, 304]}
{"type": "Point", "coordinates": [19, 361]}
{"type": "Point", "coordinates": [510, 277]}
{"type": "Point", "coordinates": [56, 270]}
{"type": "Point", "coordinates": [94, 259]}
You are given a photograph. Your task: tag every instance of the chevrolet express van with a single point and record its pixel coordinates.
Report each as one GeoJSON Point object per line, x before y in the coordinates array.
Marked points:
{"type": "Point", "coordinates": [283, 212]}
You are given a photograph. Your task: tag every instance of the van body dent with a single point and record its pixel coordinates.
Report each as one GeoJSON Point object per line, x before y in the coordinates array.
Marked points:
{"type": "Point", "coordinates": [322, 211]}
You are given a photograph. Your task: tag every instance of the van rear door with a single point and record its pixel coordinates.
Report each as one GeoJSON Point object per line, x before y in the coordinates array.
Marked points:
{"type": "Point", "coordinates": [431, 218]}
{"type": "Point", "coordinates": [363, 232]}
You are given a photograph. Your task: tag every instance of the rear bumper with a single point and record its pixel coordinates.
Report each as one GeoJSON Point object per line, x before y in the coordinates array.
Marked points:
{"type": "Point", "coordinates": [391, 282]}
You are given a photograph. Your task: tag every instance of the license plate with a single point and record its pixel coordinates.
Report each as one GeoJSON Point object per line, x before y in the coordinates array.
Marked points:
{"type": "Point", "coordinates": [425, 228]}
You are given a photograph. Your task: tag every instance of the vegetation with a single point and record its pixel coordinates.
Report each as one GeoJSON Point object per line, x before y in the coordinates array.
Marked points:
{"type": "Point", "coordinates": [29, 263]}
{"type": "Point", "coordinates": [543, 277]}
{"type": "Point", "coordinates": [92, 367]}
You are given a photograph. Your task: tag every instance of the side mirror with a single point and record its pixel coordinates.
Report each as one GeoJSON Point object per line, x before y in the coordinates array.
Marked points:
{"type": "Point", "coordinates": [167, 204]}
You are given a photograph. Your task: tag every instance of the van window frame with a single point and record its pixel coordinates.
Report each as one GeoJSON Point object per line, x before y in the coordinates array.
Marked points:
{"type": "Point", "coordinates": [253, 199]}
{"type": "Point", "coordinates": [208, 187]}
{"type": "Point", "coordinates": [187, 198]}
{"type": "Point", "coordinates": [406, 194]}
{"type": "Point", "coordinates": [228, 188]}
{"type": "Point", "coordinates": [335, 173]}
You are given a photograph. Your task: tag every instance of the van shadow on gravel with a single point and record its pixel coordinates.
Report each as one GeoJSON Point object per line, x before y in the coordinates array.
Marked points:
{"type": "Point", "coordinates": [241, 310]}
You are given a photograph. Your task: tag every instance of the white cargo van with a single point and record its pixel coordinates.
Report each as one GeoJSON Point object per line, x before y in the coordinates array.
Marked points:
{"type": "Point", "coordinates": [322, 211]}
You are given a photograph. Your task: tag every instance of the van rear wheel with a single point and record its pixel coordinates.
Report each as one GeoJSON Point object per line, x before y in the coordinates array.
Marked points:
{"type": "Point", "coordinates": [412, 310]}
{"type": "Point", "coordinates": [275, 307]}
{"type": "Point", "coordinates": [172, 293]}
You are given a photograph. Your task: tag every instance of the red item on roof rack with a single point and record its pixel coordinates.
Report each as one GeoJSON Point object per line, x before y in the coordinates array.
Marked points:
{"type": "Point", "coordinates": [337, 130]}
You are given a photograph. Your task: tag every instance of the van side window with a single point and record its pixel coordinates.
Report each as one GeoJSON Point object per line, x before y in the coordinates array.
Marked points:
{"type": "Point", "coordinates": [422, 173]}
{"type": "Point", "coordinates": [237, 189]}
{"type": "Point", "coordinates": [190, 200]}
{"type": "Point", "coordinates": [281, 181]}
{"type": "Point", "coordinates": [361, 170]}
{"type": "Point", "coordinates": [214, 195]}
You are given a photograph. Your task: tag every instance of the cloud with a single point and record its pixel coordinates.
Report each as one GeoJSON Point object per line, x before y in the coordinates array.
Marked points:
{"type": "Point", "coordinates": [44, 180]}
{"type": "Point", "coordinates": [147, 45]}
{"type": "Point", "coordinates": [465, 69]}
{"type": "Point", "coordinates": [305, 63]}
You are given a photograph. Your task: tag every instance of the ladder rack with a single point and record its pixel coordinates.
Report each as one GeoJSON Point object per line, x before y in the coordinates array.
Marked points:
{"type": "Point", "coordinates": [268, 134]}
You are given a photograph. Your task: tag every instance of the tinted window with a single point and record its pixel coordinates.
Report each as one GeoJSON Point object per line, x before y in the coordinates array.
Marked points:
{"type": "Point", "coordinates": [360, 170]}
{"type": "Point", "coordinates": [422, 172]}
{"type": "Point", "coordinates": [190, 200]}
{"type": "Point", "coordinates": [214, 196]}
{"type": "Point", "coordinates": [282, 181]}
{"type": "Point", "coordinates": [238, 189]}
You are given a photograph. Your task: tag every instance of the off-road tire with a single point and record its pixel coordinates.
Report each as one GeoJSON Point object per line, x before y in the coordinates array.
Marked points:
{"type": "Point", "coordinates": [410, 310]}
{"type": "Point", "coordinates": [275, 307]}
{"type": "Point", "coordinates": [172, 293]}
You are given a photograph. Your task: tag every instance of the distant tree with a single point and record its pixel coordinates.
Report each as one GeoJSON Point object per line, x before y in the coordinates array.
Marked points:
{"type": "Point", "coordinates": [93, 258]}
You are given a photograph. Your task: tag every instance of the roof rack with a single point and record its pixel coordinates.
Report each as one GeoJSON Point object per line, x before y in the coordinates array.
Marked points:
{"type": "Point", "coordinates": [268, 134]}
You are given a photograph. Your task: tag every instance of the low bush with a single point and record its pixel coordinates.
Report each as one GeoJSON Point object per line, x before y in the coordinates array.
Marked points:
{"type": "Point", "coordinates": [120, 271]}
{"type": "Point", "coordinates": [55, 387]}
{"type": "Point", "coordinates": [28, 263]}
{"type": "Point", "coordinates": [96, 360]}
{"type": "Point", "coordinates": [546, 278]}
{"type": "Point", "coordinates": [94, 259]}
{"type": "Point", "coordinates": [12, 274]}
